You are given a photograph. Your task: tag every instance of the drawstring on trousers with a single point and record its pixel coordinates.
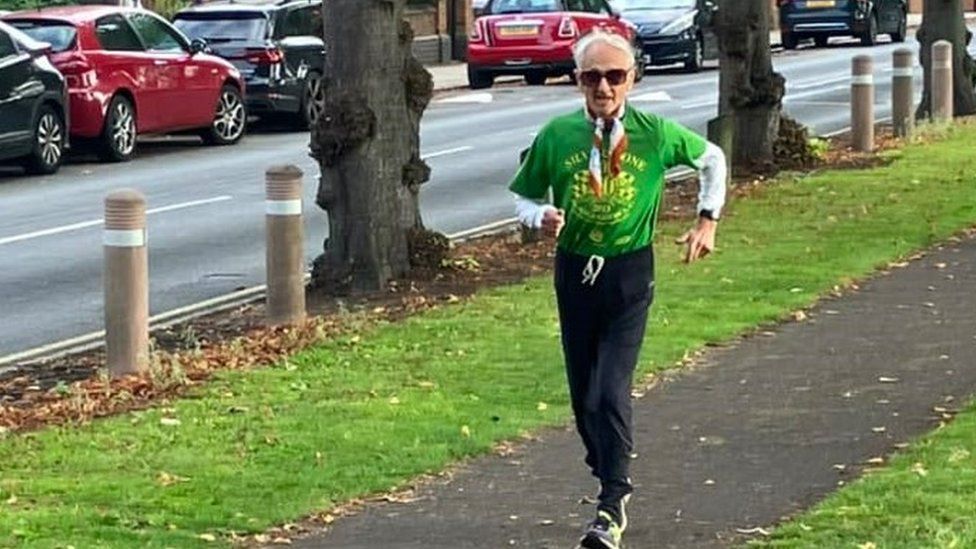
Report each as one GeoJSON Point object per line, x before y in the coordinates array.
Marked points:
{"type": "Point", "coordinates": [592, 270]}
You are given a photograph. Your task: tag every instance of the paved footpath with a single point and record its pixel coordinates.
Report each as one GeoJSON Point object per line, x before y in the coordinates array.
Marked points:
{"type": "Point", "coordinates": [747, 437]}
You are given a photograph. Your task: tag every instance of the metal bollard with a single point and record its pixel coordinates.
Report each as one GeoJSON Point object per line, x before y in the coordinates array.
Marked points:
{"type": "Point", "coordinates": [285, 258]}
{"type": "Point", "coordinates": [903, 93]}
{"type": "Point", "coordinates": [862, 103]}
{"type": "Point", "coordinates": [126, 283]}
{"type": "Point", "coordinates": [942, 102]}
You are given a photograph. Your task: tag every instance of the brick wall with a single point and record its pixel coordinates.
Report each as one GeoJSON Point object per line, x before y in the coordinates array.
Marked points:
{"type": "Point", "coordinates": [433, 41]}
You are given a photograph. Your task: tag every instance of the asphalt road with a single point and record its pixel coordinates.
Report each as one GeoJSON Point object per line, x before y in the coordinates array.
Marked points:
{"type": "Point", "coordinates": [206, 220]}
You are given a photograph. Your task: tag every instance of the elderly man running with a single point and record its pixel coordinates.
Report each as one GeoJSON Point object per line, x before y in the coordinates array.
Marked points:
{"type": "Point", "coordinates": [605, 166]}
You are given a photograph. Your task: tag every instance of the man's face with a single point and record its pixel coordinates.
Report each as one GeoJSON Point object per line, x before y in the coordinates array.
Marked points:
{"type": "Point", "coordinates": [599, 78]}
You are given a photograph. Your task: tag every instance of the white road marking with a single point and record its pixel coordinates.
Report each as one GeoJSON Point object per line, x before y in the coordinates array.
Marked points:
{"type": "Point", "coordinates": [807, 84]}
{"type": "Point", "coordinates": [658, 96]}
{"type": "Point", "coordinates": [96, 222]}
{"type": "Point", "coordinates": [700, 104]}
{"type": "Point", "coordinates": [481, 98]}
{"type": "Point", "coordinates": [811, 93]}
{"type": "Point", "coordinates": [446, 152]}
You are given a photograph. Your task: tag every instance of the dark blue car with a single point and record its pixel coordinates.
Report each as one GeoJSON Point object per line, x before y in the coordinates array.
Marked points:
{"type": "Point", "coordinates": [821, 19]}
{"type": "Point", "coordinates": [673, 31]}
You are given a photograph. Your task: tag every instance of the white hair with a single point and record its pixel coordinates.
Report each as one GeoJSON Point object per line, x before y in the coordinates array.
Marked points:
{"type": "Point", "coordinates": [598, 36]}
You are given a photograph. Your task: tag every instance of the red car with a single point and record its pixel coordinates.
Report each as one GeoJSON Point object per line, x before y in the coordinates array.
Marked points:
{"type": "Point", "coordinates": [129, 72]}
{"type": "Point", "coordinates": [534, 38]}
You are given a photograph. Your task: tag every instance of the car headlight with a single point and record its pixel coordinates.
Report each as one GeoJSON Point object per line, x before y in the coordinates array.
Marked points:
{"type": "Point", "coordinates": [681, 24]}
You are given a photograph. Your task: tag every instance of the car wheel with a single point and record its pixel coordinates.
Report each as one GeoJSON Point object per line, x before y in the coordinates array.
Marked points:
{"type": "Point", "coordinates": [536, 78]}
{"type": "Point", "coordinates": [821, 41]}
{"type": "Point", "coordinates": [790, 41]}
{"type": "Point", "coordinates": [479, 80]}
{"type": "Point", "coordinates": [48, 151]}
{"type": "Point", "coordinates": [902, 32]}
{"type": "Point", "coordinates": [313, 101]}
{"type": "Point", "coordinates": [870, 36]}
{"type": "Point", "coordinates": [694, 64]}
{"type": "Point", "coordinates": [118, 141]}
{"type": "Point", "coordinates": [229, 119]}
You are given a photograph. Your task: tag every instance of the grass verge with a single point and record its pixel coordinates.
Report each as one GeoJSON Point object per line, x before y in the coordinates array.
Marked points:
{"type": "Point", "coordinates": [362, 414]}
{"type": "Point", "coordinates": [923, 499]}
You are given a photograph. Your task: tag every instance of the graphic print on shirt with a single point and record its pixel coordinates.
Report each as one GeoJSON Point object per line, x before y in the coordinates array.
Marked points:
{"type": "Point", "coordinates": [618, 199]}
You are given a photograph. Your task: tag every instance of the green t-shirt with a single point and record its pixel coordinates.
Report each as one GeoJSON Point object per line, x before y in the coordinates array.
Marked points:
{"type": "Point", "coordinates": [623, 219]}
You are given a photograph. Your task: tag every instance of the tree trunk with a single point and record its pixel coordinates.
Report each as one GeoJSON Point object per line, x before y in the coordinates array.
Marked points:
{"type": "Point", "coordinates": [945, 20]}
{"type": "Point", "coordinates": [367, 143]}
{"type": "Point", "coordinates": [750, 92]}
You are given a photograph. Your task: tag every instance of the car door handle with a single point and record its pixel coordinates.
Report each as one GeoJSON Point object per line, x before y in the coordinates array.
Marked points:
{"type": "Point", "coordinates": [160, 62]}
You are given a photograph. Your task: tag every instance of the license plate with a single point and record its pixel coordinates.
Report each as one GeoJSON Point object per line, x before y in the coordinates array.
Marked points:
{"type": "Point", "coordinates": [821, 3]}
{"type": "Point", "coordinates": [525, 30]}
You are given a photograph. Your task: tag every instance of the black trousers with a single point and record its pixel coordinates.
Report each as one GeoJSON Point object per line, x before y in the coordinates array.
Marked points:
{"type": "Point", "coordinates": [603, 320]}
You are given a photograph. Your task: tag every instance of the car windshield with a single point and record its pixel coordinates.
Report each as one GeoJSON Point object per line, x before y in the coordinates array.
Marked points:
{"type": "Point", "coordinates": [223, 27]}
{"type": "Point", "coordinates": [523, 6]}
{"type": "Point", "coordinates": [656, 4]}
{"type": "Point", "coordinates": [60, 35]}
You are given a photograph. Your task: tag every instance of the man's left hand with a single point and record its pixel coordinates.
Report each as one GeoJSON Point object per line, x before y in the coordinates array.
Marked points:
{"type": "Point", "coordinates": [700, 241]}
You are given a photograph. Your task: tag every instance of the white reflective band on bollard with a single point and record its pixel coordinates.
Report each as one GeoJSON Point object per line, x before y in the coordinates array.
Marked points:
{"type": "Point", "coordinates": [903, 71]}
{"type": "Point", "coordinates": [862, 80]}
{"type": "Point", "coordinates": [124, 238]}
{"type": "Point", "coordinates": [283, 207]}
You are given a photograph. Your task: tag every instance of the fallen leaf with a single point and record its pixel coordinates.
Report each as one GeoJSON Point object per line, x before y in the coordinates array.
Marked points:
{"type": "Point", "coordinates": [169, 421]}
{"type": "Point", "coordinates": [799, 316]}
{"type": "Point", "coordinates": [753, 531]}
{"type": "Point", "coordinates": [166, 479]}
{"type": "Point", "coordinates": [840, 467]}
{"type": "Point", "coordinates": [427, 384]}
{"type": "Point", "coordinates": [867, 545]}
{"type": "Point", "coordinates": [208, 537]}
{"type": "Point", "coordinates": [263, 539]}
{"type": "Point", "coordinates": [281, 541]}
{"type": "Point", "coordinates": [542, 407]}
{"type": "Point", "coordinates": [394, 400]}
{"type": "Point", "coordinates": [546, 522]}
{"type": "Point", "coordinates": [878, 430]}
{"type": "Point", "coordinates": [11, 500]}
{"type": "Point", "coordinates": [876, 461]}
{"type": "Point", "coordinates": [884, 379]}
{"type": "Point", "coordinates": [940, 265]}
{"type": "Point", "coordinates": [919, 470]}
{"type": "Point", "coordinates": [709, 482]}
{"type": "Point", "coordinates": [465, 431]}
{"type": "Point", "coordinates": [958, 454]}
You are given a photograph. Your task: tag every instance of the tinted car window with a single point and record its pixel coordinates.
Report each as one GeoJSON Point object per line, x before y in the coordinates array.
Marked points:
{"type": "Point", "coordinates": [301, 22]}
{"type": "Point", "coordinates": [223, 27]}
{"type": "Point", "coordinates": [7, 48]}
{"type": "Point", "coordinates": [115, 34]}
{"type": "Point", "coordinates": [155, 34]}
{"type": "Point", "coordinates": [524, 6]}
{"type": "Point", "coordinates": [61, 36]}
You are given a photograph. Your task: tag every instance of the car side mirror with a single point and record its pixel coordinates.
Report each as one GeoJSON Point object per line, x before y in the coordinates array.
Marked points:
{"type": "Point", "coordinates": [199, 45]}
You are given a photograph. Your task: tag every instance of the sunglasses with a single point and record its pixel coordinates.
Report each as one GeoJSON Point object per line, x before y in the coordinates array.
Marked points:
{"type": "Point", "coordinates": [592, 78]}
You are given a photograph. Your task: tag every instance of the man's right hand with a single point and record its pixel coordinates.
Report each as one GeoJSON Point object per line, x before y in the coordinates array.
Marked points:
{"type": "Point", "coordinates": [552, 222]}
